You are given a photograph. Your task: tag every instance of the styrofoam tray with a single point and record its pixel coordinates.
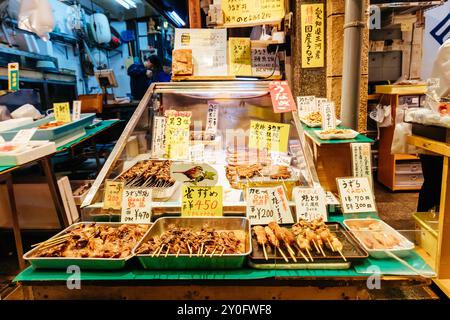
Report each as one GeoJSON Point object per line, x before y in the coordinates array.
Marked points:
{"type": "Point", "coordinates": [34, 150]}
{"type": "Point", "coordinates": [340, 136]}
{"type": "Point", "coordinates": [405, 248]}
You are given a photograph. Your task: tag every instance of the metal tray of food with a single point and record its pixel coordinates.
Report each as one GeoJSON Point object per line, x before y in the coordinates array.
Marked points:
{"type": "Point", "coordinates": [63, 262]}
{"type": "Point", "coordinates": [351, 251]}
{"type": "Point", "coordinates": [199, 256]}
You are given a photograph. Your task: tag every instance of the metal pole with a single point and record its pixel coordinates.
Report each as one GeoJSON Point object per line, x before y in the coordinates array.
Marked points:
{"type": "Point", "coordinates": [351, 70]}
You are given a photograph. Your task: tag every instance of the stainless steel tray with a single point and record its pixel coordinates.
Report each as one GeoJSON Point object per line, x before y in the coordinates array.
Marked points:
{"type": "Point", "coordinates": [185, 261]}
{"type": "Point", "coordinates": [83, 263]}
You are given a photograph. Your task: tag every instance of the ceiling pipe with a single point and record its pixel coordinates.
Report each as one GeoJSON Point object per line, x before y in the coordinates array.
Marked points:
{"type": "Point", "coordinates": [351, 70]}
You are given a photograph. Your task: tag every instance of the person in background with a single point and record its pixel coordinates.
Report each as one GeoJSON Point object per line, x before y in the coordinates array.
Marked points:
{"type": "Point", "coordinates": [155, 70]}
{"type": "Point", "coordinates": [138, 79]}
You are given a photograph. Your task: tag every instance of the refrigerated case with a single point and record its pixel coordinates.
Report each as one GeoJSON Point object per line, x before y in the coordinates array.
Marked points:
{"type": "Point", "coordinates": [239, 102]}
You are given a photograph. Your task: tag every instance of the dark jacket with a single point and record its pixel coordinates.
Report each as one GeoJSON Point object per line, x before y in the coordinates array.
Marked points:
{"type": "Point", "coordinates": [138, 80]}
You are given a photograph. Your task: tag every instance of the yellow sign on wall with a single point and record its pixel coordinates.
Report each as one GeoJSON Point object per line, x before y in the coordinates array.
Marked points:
{"type": "Point", "coordinates": [271, 136]}
{"type": "Point", "coordinates": [244, 12]}
{"type": "Point", "coordinates": [62, 112]}
{"type": "Point", "coordinates": [240, 56]}
{"type": "Point", "coordinates": [201, 201]}
{"type": "Point", "coordinates": [312, 24]}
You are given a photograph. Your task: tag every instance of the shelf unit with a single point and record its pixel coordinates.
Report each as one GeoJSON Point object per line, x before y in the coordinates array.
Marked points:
{"type": "Point", "coordinates": [399, 172]}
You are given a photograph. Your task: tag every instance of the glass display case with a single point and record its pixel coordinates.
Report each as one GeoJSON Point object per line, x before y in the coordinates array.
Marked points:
{"type": "Point", "coordinates": [230, 126]}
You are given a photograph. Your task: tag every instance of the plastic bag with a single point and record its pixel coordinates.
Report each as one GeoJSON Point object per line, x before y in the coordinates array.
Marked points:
{"type": "Point", "coordinates": [26, 111]}
{"type": "Point", "coordinates": [401, 131]}
{"type": "Point", "coordinates": [4, 113]}
{"type": "Point", "coordinates": [36, 16]}
{"type": "Point", "coordinates": [382, 115]}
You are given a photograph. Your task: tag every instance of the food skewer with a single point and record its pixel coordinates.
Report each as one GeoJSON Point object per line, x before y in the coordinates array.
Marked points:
{"type": "Point", "coordinates": [63, 237]}
{"type": "Point", "coordinates": [274, 241]}
{"type": "Point", "coordinates": [178, 252]}
{"type": "Point", "coordinates": [167, 252]}
{"type": "Point", "coordinates": [261, 238]}
{"type": "Point", "coordinates": [159, 252]}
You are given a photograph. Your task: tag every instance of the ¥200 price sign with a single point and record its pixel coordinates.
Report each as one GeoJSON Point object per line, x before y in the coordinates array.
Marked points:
{"type": "Point", "coordinates": [356, 195]}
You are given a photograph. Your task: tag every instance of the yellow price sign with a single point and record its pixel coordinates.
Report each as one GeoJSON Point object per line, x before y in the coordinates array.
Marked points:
{"type": "Point", "coordinates": [270, 136]}
{"type": "Point", "coordinates": [112, 198]}
{"type": "Point", "coordinates": [177, 134]}
{"type": "Point", "coordinates": [244, 12]}
{"type": "Point", "coordinates": [201, 201]}
{"type": "Point", "coordinates": [240, 56]}
{"type": "Point", "coordinates": [62, 112]}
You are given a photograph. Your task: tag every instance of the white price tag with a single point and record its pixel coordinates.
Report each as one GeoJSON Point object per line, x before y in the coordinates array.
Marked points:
{"type": "Point", "coordinates": [159, 137]}
{"type": "Point", "coordinates": [362, 160]}
{"type": "Point", "coordinates": [259, 208]}
{"type": "Point", "coordinates": [23, 136]}
{"type": "Point", "coordinates": [320, 102]}
{"type": "Point", "coordinates": [136, 205]}
{"type": "Point", "coordinates": [76, 110]}
{"type": "Point", "coordinates": [356, 195]}
{"type": "Point", "coordinates": [280, 205]}
{"type": "Point", "coordinates": [212, 117]}
{"type": "Point", "coordinates": [306, 104]}
{"type": "Point", "coordinates": [310, 203]}
{"type": "Point", "coordinates": [328, 116]}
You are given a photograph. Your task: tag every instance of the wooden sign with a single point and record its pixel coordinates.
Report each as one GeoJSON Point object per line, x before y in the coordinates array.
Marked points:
{"type": "Point", "coordinates": [362, 160]}
{"type": "Point", "coordinates": [61, 112]}
{"type": "Point", "coordinates": [112, 198]}
{"type": "Point", "coordinates": [271, 136]}
{"type": "Point", "coordinates": [264, 64]}
{"type": "Point", "coordinates": [280, 205]}
{"type": "Point", "coordinates": [201, 201]}
{"type": "Point", "coordinates": [136, 205]}
{"type": "Point", "coordinates": [310, 203]}
{"type": "Point", "coordinates": [76, 110]}
{"type": "Point", "coordinates": [356, 195]}
{"type": "Point", "coordinates": [306, 104]}
{"type": "Point", "coordinates": [244, 12]}
{"type": "Point", "coordinates": [23, 136]}
{"type": "Point", "coordinates": [312, 28]}
{"type": "Point", "coordinates": [177, 134]}
{"type": "Point", "coordinates": [240, 56]}
{"type": "Point", "coordinates": [328, 116]}
{"type": "Point", "coordinates": [13, 76]}
{"type": "Point", "coordinates": [281, 95]}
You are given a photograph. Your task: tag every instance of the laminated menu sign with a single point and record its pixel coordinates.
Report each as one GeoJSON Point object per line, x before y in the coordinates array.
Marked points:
{"type": "Point", "coordinates": [76, 110]}
{"type": "Point", "coordinates": [209, 50]}
{"type": "Point", "coordinates": [13, 76]}
{"type": "Point", "coordinates": [281, 95]}
{"type": "Point", "coordinates": [280, 205]}
{"type": "Point", "coordinates": [136, 205]}
{"type": "Point", "coordinates": [310, 203]}
{"type": "Point", "coordinates": [112, 198]}
{"type": "Point", "coordinates": [23, 136]}
{"type": "Point", "coordinates": [177, 134]}
{"type": "Point", "coordinates": [264, 64]}
{"type": "Point", "coordinates": [362, 160]}
{"type": "Point", "coordinates": [312, 28]}
{"type": "Point", "coordinates": [356, 195]}
{"type": "Point", "coordinates": [212, 118]}
{"type": "Point", "coordinates": [271, 136]}
{"type": "Point", "coordinates": [61, 112]}
{"type": "Point", "coordinates": [240, 56]}
{"type": "Point", "coordinates": [201, 201]}
{"type": "Point", "coordinates": [306, 104]}
{"type": "Point", "coordinates": [159, 137]}
{"type": "Point", "coordinates": [244, 12]}
{"type": "Point", "coordinates": [328, 116]}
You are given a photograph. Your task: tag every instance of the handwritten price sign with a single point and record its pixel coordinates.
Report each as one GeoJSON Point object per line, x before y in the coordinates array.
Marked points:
{"type": "Point", "coordinates": [310, 203]}
{"type": "Point", "coordinates": [112, 198]}
{"type": "Point", "coordinates": [62, 112]}
{"type": "Point", "coordinates": [259, 209]}
{"type": "Point", "coordinates": [356, 195]}
{"type": "Point", "coordinates": [201, 201]}
{"type": "Point", "coordinates": [177, 134]}
{"type": "Point", "coordinates": [136, 205]}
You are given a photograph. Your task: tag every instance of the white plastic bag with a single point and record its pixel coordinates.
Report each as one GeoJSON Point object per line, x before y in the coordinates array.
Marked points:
{"type": "Point", "coordinates": [401, 131]}
{"type": "Point", "coordinates": [26, 111]}
{"type": "Point", "coordinates": [36, 16]}
{"type": "Point", "coordinates": [4, 113]}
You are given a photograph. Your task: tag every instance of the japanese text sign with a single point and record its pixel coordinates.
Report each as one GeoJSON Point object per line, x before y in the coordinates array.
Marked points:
{"type": "Point", "coordinates": [271, 136]}
{"type": "Point", "coordinates": [159, 137]}
{"type": "Point", "coordinates": [310, 203]}
{"type": "Point", "coordinates": [282, 100]}
{"type": "Point", "coordinates": [356, 195]}
{"type": "Point", "coordinates": [112, 198]}
{"type": "Point", "coordinates": [13, 76]}
{"type": "Point", "coordinates": [177, 134]}
{"type": "Point", "coordinates": [62, 112]}
{"type": "Point", "coordinates": [259, 208]}
{"type": "Point", "coordinates": [264, 64]}
{"type": "Point", "coordinates": [312, 27]}
{"type": "Point", "coordinates": [328, 116]}
{"type": "Point", "coordinates": [76, 110]}
{"type": "Point", "coordinates": [362, 160]}
{"type": "Point", "coordinates": [306, 104]}
{"type": "Point", "coordinates": [202, 201]}
{"type": "Point", "coordinates": [244, 12]}
{"type": "Point", "coordinates": [280, 205]}
{"type": "Point", "coordinates": [212, 117]}
{"type": "Point", "coordinates": [136, 205]}
{"type": "Point", "coordinates": [240, 56]}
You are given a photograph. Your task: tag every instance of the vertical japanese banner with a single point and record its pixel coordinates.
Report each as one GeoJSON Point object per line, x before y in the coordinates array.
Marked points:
{"type": "Point", "coordinates": [313, 26]}
{"type": "Point", "coordinates": [362, 161]}
{"type": "Point", "coordinates": [281, 96]}
{"type": "Point", "coordinates": [13, 76]}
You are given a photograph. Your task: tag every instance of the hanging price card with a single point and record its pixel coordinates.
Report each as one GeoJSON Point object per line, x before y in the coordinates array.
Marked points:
{"type": "Point", "coordinates": [282, 100]}
{"type": "Point", "coordinates": [306, 104]}
{"type": "Point", "coordinates": [310, 203]}
{"type": "Point", "coordinates": [356, 195]}
{"type": "Point", "coordinates": [212, 118]}
{"type": "Point", "coordinates": [240, 56]}
{"type": "Point", "coordinates": [280, 205]}
{"type": "Point", "coordinates": [259, 208]}
{"type": "Point", "coordinates": [177, 134]}
{"type": "Point", "coordinates": [112, 198]}
{"type": "Point", "coordinates": [13, 76]}
{"type": "Point", "coordinates": [136, 205]}
{"type": "Point", "coordinates": [199, 201]}
{"type": "Point", "coordinates": [362, 160]}
{"type": "Point", "coordinates": [328, 116]}
{"type": "Point", "coordinates": [62, 112]}
{"type": "Point", "coordinates": [76, 110]}
{"type": "Point", "coordinates": [23, 136]}
{"type": "Point", "coordinates": [271, 136]}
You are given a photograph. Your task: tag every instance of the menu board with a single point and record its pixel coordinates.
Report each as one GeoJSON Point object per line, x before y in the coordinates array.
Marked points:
{"type": "Point", "coordinates": [306, 104]}
{"type": "Point", "coordinates": [177, 134]}
{"type": "Point", "coordinates": [264, 64]}
{"type": "Point", "coordinates": [204, 201]}
{"type": "Point", "coordinates": [356, 195]}
{"type": "Point", "coordinates": [240, 56]}
{"type": "Point", "coordinates": [136, 205]}
{"type": "Point", "coordinates": [61, 112]}
{"type": "Point", "coordinates": [112, 198]}
{"type": "Point", "coordinates": [362, 160]}
{"type": "Point", "coordinates": [159, 137]}
{"type": "Point", "coordinates": [313, 26]}
{"type": "Point", "coordinates": [281, 96]}
{"type": "Point", "coordinates": [310, 203]}
{"type": "Point", "coordinates": [209, 49]}
{"type": "Point", "coordinates": [244, 12]}
{"type": "Point", "coordinates": [271, 136]}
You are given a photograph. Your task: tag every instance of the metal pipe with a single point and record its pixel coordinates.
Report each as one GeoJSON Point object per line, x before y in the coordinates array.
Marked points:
{"type": "Point", "coordinates": [351, 70]}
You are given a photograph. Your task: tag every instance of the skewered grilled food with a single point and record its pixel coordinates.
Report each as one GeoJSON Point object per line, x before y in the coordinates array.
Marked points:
{"type": "Point", "coordinates": [150, 173]}
{"type": "Point", "coordinates": [94, 241]}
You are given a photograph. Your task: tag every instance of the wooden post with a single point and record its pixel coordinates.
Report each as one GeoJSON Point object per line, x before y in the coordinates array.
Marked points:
{"type": "Point", "coordinates": [195, 18]}
{"type": "Point", "coordinates": [443, 261]}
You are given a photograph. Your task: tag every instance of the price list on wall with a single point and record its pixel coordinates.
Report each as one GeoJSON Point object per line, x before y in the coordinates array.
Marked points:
{"type": "Point", "coordinates": [356, 195]}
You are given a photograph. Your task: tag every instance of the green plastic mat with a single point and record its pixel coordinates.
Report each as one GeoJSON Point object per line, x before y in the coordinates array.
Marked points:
{"type": "Point", "coordinates": [358, 139]}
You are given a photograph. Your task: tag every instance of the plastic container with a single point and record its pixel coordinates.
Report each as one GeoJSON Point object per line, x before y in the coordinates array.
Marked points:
{"type": "Point", "coordinates": [427, 237]}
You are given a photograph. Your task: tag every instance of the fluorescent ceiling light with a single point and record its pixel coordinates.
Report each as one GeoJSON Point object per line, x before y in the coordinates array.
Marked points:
{"type": "Point", "coordinates": [123, 4]}
{"type": "Point", "coordinates": [131, 3]}
{"type": "Point", "coordinates": [177, 18]}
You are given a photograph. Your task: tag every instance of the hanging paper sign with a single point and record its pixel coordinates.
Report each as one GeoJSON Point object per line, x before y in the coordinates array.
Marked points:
{"type": "Point", "coordinates": [282, 100]}
{"type": "Point", "coordinates": [159, 137]}
{"type": "Point", "coordinates": [259, 208]}
{"type": "Point", "coordinates": [61, 112]}
{"type": "Point", "coordinates": [199, 174]}
{"type": "Point", "coordinates": [362, 160]}
{"type": "Point", "coordinates": [310, 203]}
{"type": "Point", "coordinates": [76, 110]}
{"type": "Point", "coordinates": [136, 205]}
{"type": "Point", "coordinates": [201, 201]}
{"type": "Point", "coordinates": [356, 195]}
{"type": "Point", "coordinates": [244, 12]}
{"type": "Point", "coordinates": [13, 76]}
{"type": "Point", "coordinates": [280, 205]}
{"type": "Point", "coordinates": [177, 134]}
{"type": "Point", "coordinates": [306, 104]}
{"type": "Point", "coordinates": [312, 26]}
{"type": "Point", "coordinates": [271, 136]}
{"type": "Point", "coordinates": [212, 117]}
{"type": "Point", "coordinates": [23, 136]}
{"type": "Point", "coordinates": [328, 116]}
{"type": "Point", "coordinates": [264, 64]}
{"type": "Point", "coordinates": [112, 198]}
{"type": "Point", "coordinates": [240, 56]}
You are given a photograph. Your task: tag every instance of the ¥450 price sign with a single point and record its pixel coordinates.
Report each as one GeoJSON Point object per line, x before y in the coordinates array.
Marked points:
{"type": "Point", "coordinates": [201, 201]}
{"type": "Point", "coordinates": [356, 195]}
